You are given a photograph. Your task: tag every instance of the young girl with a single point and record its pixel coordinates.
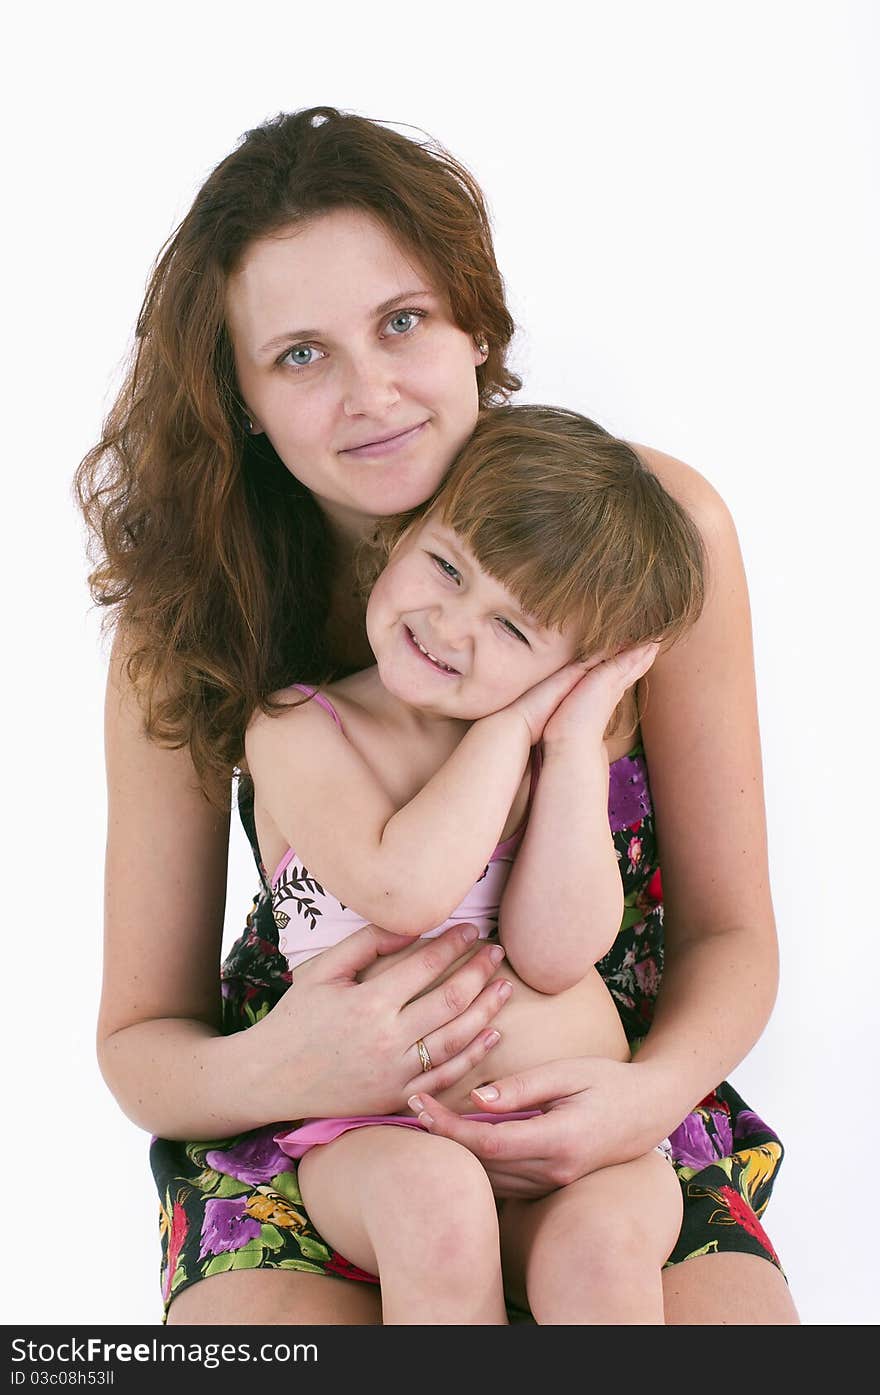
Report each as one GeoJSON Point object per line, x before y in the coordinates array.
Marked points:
{"type": "Point", "coordinates": [464, 778]}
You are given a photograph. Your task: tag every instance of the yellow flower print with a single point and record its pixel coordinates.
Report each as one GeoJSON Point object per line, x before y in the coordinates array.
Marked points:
{"type": "Point", "coordinates": [271, 1209]}
{"type": "Point", "coordinates": [758, 1164]}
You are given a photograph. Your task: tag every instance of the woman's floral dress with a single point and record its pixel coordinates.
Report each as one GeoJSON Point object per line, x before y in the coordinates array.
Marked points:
{"type": "Point", "coordinates": [234, 1203]}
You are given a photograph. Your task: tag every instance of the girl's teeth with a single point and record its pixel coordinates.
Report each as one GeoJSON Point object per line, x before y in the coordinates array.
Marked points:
{"type": "Point", "coordinates": [431, 656]}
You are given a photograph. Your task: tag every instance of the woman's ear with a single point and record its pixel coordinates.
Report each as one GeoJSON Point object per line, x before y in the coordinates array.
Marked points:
{"type": "Point", "coordinates": [250, 425]}
{"type": "Point", "coordinates": [481, 351]}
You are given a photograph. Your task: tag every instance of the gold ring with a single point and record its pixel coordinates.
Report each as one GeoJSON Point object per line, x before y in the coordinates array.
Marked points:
{"type": "Point", "coordinates": [424, 1055]}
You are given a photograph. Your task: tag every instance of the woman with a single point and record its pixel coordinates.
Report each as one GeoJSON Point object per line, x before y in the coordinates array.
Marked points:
{"type": "Point", "coordinates": [315, 344]}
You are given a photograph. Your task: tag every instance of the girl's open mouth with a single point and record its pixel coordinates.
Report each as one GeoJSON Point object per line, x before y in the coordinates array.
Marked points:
{"type": "Point", "coordinates": [435, 663]}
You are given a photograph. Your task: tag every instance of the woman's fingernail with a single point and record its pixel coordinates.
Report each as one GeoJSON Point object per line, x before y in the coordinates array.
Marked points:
{"type": "Point", "coordinates": [491, 1039]}
{"type": "Point", "coordinates": [496, 954]}
{"type": "Point", "coordinates": [469, 934]}
{"type": "Point", "coordinates": [486, 1093]}
{"type": "Point", "coordinates": [505, 988]}
{"type": "Point", "coordinates": [415, 1103]}
{"type": "Point", "coordinates": [426, 1120]}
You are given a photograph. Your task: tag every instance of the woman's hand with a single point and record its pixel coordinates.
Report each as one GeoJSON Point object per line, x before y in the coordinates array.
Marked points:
{"type": "Point", "coordinates": [596, 1113]}
{"type": "Point", "coordinates": [336, 1046]}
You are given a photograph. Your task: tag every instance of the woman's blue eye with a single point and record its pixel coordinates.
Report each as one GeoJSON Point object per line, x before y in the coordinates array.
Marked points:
{"type": "Point", "coordinates": [300, 356]}
{"type": "Point", "coordinates": [403, 321]}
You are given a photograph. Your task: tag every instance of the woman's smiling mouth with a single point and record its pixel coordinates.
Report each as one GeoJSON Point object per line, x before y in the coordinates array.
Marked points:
{"type": "Point", "coordinates": [386, 445]}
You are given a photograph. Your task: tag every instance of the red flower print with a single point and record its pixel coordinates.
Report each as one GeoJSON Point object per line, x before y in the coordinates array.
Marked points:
{"type": "Point", "coordinates": [338, 1264]}
{"type": "Point", "coordinates": [634, 852]}
{"type": "Point", "coordinates": [634, 827]}
{"type": "Point", "coordinates": [742, 1213]}
{"type": "Point", "coordinates": [654, 889]}
{"type": "Point", "coordinates": [179, 1227]}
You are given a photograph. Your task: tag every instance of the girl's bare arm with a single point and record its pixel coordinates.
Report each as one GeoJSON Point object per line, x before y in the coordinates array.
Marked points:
{"type": "Point", "coordinates": [406, 869]}
{"type": "Point", "coordinates": [563, 903]}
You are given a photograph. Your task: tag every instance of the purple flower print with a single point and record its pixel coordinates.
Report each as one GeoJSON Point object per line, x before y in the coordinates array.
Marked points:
{"type": "Point", "coordinates": [255, 1159]}
{"type": "Point", "coordinates": [226, 1227]}
{"type": "Point", "coordinates": [694, 1144]}
{"type": "Point", "coordinates": [628, 797]}
{"type": "Point", "coordinates": [749, 1126]}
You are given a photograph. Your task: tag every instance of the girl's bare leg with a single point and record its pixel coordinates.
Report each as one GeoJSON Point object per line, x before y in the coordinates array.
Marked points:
{"type": "Point", "coordinates": [419, 1215]}
{"type": "Point", "coordinates": [592, 1252]}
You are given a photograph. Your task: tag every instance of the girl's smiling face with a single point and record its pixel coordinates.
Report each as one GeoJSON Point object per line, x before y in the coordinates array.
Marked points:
{"type": "Point", "coordinates": [448, 638]}
{"type": "Point", "coordinates": [349, 359]}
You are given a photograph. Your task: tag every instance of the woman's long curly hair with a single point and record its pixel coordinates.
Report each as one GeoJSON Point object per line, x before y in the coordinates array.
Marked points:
{"type": "Point", "coordinates": [215, 560]}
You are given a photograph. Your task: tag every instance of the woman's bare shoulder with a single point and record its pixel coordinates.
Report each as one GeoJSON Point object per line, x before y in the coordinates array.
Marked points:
{"type": "Point", "coordinates": [146, 777]}
{"type": "Point", "coordinates": [689, 487]}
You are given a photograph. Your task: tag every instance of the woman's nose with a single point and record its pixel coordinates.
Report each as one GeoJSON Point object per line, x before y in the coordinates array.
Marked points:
{"type": "Point", "coordinates": [370, 389]}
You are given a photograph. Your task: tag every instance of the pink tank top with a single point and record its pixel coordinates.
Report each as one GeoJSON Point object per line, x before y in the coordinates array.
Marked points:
{"type": "Point", "coordinates": [310, 918]}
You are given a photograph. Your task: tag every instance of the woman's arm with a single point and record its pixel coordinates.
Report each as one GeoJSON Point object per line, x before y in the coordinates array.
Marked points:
{"type": "Point", "coordinates": [701, 739]}
{"type": "Point", "coordinates": [562, 905]}
{"type": "Point", "coordinates": [406, 869]}
{"type": "Point", "coordinates": [165, 890]}
{"type": "Point", "coordinates": [159, 1042]}
{"type": "Point", "coordinates": [700, 732]}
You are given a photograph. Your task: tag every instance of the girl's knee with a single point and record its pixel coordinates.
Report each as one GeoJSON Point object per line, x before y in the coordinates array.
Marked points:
{"type": "Point", "coordinates": [445, 1203]}
{"type": "Point", "coordinates": [450, 1179]}
{"type": "Point", "coordinates": [624, 1233]}
{"type": "Point", "coordinates": [426, 1165]}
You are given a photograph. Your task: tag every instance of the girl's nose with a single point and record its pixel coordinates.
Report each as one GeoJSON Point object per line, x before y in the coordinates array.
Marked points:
{"type": "Point", "coordinates": [452, 625]}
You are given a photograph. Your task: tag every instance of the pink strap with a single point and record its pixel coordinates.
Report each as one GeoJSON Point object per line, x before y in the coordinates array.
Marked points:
{"type": "Point", "coordinates": [322, 701]}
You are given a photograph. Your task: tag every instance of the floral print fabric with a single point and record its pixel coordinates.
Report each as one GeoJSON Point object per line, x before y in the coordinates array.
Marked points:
{"type": "Point", "coordinates": [235, 1204]}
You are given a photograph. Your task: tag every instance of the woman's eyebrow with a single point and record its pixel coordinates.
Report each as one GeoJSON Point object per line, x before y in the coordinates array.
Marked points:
{"type": "Point", "coordinates": [295, 334]}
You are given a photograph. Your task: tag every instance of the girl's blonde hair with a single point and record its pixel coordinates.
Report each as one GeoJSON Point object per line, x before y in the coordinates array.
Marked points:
{"type": "Point", "coordinates": [569, 520]}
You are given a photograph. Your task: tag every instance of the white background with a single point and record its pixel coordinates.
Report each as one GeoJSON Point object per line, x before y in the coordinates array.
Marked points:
{"type": "Point", "coordinates": [685, 199]}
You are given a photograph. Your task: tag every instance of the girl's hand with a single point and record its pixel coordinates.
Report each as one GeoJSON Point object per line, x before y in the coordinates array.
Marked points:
{"type": "Point", "coordinates": [538, 704]}
{"type": "Point", "coordinates": [596, 1113]}
{"type": "Point", "coordinates": [588, 706]}
{"type": "Point", "coordinates": [356, 1043]}
{"type": "Point", "coordinates": [581, 696]}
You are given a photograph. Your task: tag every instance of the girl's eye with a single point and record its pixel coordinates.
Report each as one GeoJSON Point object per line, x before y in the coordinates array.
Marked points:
{"type": "Point", "coordinates": [302, 356]}
{"type": "Point", "coordinates": [445, 567]}
{"type": "Point", "coordinates": [403, 321]}
{"type": "Point", "coordinates": [513, 631]}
